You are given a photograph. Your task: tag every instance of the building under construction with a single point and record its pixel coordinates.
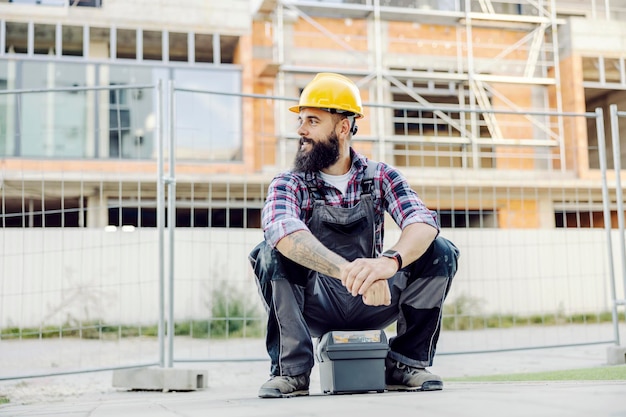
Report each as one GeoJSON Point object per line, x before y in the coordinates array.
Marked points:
{"type": "Point", "coordinates": [122, 118]}
{"type": "Point", "coordinates": [488, 107]}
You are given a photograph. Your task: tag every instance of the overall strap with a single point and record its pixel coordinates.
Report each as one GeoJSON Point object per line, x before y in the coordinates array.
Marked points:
{"type": "Point", "coordinates": [367, 183]}
{"type": "Point", "coordinates": [314, 191]}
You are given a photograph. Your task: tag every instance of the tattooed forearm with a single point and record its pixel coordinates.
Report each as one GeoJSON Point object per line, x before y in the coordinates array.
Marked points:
{"type": "Point", "coordinates": [304, 249]}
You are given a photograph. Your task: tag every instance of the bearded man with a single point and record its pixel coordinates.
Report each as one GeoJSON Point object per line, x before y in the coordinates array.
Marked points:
{"type": "Point", "coordinates": [322, 266]}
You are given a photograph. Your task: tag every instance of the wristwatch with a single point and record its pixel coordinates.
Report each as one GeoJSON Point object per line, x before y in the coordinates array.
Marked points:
{"type": "Point", "coordinates": [393, 255]}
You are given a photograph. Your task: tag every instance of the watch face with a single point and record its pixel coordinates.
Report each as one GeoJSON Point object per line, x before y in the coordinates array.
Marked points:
{"type": "Point", "coordinates": [394, 255]}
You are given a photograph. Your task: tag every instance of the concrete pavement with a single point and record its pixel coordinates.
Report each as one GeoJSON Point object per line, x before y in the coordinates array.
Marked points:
{"type": "Point", "coordinates": [232, 389]}
{"type": "Point", "coordinates": [567, 399]}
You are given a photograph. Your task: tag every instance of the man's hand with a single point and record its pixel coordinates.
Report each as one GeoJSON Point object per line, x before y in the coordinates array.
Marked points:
{"type": "Point", "coordinates": [378, 294]}
{"type": "Point", "coordinates": [359, 275]}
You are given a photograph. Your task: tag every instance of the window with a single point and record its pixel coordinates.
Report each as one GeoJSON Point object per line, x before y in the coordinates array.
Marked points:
{"type": "Point", "coordinates": [468, 218]}
{"type": "Point", "coordinates": [178, 47]}
{"type": "Point", "coordinates": [16, 37]}
{"type": "Point", "coordinates": [579, 219]}
{"type": "Point", "coordinates": [218, 217]}
{"type": "Point", "coordinates": [42, 2]}
{"type": "Point", "coordinates": [72, 40]}
{"type": "Point", "coordinates": [99, 39]}
{"type": "Point", "coordinates": [146, 216]}
{"type": "Point", "coordinates": [68, 212]}
{"type": "Point", "coordinates": [126, 46]}
{"type": "Point", "coordinates": [87, 3]}
{"type": "Point", "coordinates": [78, 124]}
{"type": "Point", "coordinates": [53, 124]}
{"type": "Point", "coordinates": [119, 129]}
{"type": "Point", "coordinates": [7, 118]}
{"type": "Point", "coordinates": [152, 45]}
{"type": "Point", "coordinates": [133, 216]}
{"type": "Point", "coordinates": [131, 112]}
{"type": "Point", "coordinates": [204, 48]}
{"type": "Point", "coordinates": [208, 125]}
{"type": "Point", "coordinates": [45, 36]}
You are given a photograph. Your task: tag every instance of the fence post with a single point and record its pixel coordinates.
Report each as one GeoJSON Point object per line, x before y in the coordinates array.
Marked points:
{"type": "Point", "coordinates": [160, 221]}
{"type": "Point", "coordinates": [617, 166]}
{"type": "Point", "coordinates": [606, 202]}
{"type": "Point", "coordinates": [171, 224]}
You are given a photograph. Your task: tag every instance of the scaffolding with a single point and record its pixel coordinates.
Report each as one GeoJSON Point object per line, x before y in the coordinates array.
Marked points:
{"type": "Point", "coordinates": [420, 55]}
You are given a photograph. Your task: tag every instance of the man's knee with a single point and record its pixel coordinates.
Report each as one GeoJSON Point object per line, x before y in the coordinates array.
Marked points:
{"type": "Point", "coordinates": [440, 260]}
{"type": "Point", "coordinates": [265, 262]}
{"type": "Point", "coordinates": [445, 255]}
{"type": "Point", "coordinates": [269, 265]}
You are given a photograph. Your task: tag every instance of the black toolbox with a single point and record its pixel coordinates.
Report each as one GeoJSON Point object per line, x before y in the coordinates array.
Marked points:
{"type": "Point", "coordinates": [352, 361]}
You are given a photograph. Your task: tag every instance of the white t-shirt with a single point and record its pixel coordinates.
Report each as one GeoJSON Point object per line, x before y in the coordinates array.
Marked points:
{"type": "Point", "coordinates": [338, 181]}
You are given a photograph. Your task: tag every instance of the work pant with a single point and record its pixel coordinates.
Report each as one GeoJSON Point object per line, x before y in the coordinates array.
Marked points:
{"type": "Point", "coordinates": [303, 304]}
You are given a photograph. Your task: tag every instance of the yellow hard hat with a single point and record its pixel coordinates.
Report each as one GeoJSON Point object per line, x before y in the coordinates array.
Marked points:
{"type": "Point", "coordinates": [331, 92]}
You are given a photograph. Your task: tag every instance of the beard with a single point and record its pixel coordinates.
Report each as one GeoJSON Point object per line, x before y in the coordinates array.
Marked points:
{"type": "Point", "coordinates": [321, 155]}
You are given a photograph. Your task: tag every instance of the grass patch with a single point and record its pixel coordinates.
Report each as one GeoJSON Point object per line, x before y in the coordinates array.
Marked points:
{"type": "Point", "coordinates": [82, 330]}
{"type": "Point", "coordinates": [4, 400]}
{"type": "Point", "coordinates": [604, 373]}
{"type": "Point", "coordinates": [232, 316]}
{"type": "Point", "coordinates": [465, 313]}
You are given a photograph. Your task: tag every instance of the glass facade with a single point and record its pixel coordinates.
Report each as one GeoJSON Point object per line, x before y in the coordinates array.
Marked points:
{"type": "Point", "coordinates": [68, 121]}
{"type": "Point", "coordinates": [212, 139]}
{"type": "Point", "coordinates": [52, 124]}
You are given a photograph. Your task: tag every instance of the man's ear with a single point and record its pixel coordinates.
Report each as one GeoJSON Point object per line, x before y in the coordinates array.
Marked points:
{"type": "Point", "coordinates": [346, 126]}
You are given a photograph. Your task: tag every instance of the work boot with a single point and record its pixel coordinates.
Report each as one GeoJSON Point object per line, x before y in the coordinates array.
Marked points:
{"type": "Point", "coordinates": [285, 386]}
{"type": "Point", "coordinates": [401, 377]}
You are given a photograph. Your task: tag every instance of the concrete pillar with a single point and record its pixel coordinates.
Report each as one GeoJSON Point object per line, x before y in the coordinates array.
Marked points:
{"type": "Point", "coordinates": [97, 213]}
{"type": "Point", "coordinates": [161, 379]}
{"type": "Point", "coordinates": [616, 355]}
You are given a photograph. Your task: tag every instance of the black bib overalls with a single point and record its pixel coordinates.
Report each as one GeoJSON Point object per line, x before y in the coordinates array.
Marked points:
{"type": "Point", "coordinates": [302, 303]}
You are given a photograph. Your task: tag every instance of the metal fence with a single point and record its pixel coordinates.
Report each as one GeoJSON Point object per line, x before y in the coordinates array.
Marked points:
{"type": "Point", "coordinates": [615, 116]}
{"type": "Point", "coordinates": [110, 295]}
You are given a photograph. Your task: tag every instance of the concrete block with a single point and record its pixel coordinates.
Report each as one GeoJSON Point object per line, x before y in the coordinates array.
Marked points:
{"type": "Point", "coordinates": [616, 355]}
{"type": "Point", "coordinates": [161, 379]}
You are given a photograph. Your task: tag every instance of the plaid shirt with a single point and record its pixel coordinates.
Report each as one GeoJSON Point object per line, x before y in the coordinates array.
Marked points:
{"type": "Point", "coordinates": [289, 205]}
